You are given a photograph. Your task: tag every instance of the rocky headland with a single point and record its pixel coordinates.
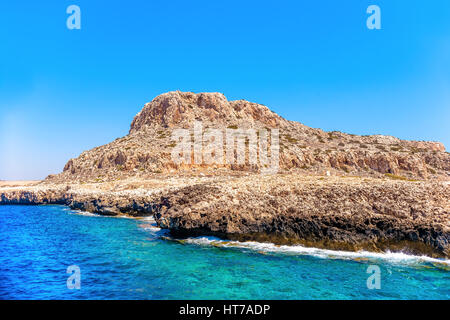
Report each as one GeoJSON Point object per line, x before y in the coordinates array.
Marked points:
{"type": "Point", "coordinates": [332, 190]}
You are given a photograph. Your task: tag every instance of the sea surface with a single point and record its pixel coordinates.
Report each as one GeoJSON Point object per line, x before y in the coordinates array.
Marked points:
{"type": "Point", "coordinates": [124, 258]}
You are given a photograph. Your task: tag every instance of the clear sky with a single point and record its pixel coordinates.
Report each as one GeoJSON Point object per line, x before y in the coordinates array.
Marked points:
{"type": "Point", "coordinates": [65, 91]}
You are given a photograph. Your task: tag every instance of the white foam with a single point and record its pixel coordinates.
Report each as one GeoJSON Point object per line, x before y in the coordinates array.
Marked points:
{"type": "Point", "coordinates": [98, 215]}
{"type": "Point", "coordinates": [151, 226]}
{"type": "Point", "coordinates": [392, 257]}
{"type": "Point", "coordinates": [149, 219]}
{"type": "Point", "coordinates": [83, 213]}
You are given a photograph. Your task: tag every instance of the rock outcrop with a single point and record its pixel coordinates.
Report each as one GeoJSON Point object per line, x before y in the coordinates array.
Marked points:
{"type": "Point", "coordinates": [332, 190]}
{"type": "Point", "coordinates": [346, 213]}
{"type": "Point", "coordinates": [146, 150]}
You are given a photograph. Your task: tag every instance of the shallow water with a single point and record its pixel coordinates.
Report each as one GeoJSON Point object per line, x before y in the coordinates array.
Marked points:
{"type": "Point", "coordinates": [123, 258]}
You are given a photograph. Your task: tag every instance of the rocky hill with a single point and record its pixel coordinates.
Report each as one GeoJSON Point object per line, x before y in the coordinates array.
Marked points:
{"type": "Point", "coordinates": [332, 190]}
{"type": "Point", "coordinates": [146, 151]}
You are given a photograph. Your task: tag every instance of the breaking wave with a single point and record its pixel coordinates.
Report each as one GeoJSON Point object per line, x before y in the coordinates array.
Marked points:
{"type": "Point", "coordinates": [270, 248]}
{"type": "Point", "coordinates": [149, 224]}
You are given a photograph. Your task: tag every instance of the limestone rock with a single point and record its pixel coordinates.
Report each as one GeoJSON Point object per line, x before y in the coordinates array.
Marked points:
{"type": "Point", "coordinates": [146, 150]}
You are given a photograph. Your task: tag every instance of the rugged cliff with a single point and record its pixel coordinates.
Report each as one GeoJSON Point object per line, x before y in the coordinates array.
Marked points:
{"type": "Point", "coordinates": [146, 150]}
{"type": "Point", "coordinates": [348, 213]}
{"type": "Point", "coordinates": [332, 190]}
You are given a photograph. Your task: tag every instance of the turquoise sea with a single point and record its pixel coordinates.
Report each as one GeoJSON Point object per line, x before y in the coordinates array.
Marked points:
{"type": "Point", "coordinates": [122, 258]}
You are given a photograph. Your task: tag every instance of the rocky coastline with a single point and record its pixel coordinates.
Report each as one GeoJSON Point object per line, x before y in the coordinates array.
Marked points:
{"type": "Point", "coordinates": [332, 190]}
{"type": "Point", "coordinates": [342, 213]}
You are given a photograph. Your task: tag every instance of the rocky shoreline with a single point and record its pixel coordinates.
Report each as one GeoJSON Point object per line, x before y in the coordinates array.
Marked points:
{"type": "Point", "coordinates": [331, 189]}
{"type": "Point", "coordinates": [342, 213]}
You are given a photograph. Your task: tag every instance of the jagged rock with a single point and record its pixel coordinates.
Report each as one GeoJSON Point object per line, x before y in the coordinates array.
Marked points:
{"type": "Point", "coordinates": [333, 190]}
{"type": "Point", "coordinates": [331, 212]}
{"type": "Point", "coordinates": [146, 150]}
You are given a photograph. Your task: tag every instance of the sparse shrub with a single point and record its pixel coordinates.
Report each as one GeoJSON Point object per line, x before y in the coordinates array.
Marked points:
{"type": "Point", "coordinates": [331, 136]}
{"type": "Point", "coordinates": [414, 150]}
{"type": "Point", "coordinates": [396, 177]}
{"type": "Point", "coordinates": [290, 139]}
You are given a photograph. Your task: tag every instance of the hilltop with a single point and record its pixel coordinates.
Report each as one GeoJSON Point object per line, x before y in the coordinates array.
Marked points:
{"type": "Point", "coordinates": [146, 151]}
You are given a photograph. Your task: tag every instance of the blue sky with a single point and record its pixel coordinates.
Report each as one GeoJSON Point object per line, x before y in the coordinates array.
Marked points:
{"type": "Point", "coordinates": [65, 91]}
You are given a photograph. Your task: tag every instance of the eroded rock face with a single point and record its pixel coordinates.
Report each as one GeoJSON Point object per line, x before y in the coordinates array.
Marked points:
{"type": "Point", "coordinates": [330, 212]}
{"type": "Point", "coordinates": [146, 150]}
{"type": "Point", "coordinates": [342, 213]}
{"type": "Point", "coordinates": [180, 110]}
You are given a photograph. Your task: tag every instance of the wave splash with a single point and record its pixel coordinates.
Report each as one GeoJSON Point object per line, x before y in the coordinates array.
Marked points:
{"type": "Point", "coordinates": [149, 225]}
{"type": "Point", "coordinates": [265, 248]}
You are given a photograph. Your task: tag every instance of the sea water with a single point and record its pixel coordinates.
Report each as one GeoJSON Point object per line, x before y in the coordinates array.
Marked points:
{"type": "Point", "coordinates": [124, 258]}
